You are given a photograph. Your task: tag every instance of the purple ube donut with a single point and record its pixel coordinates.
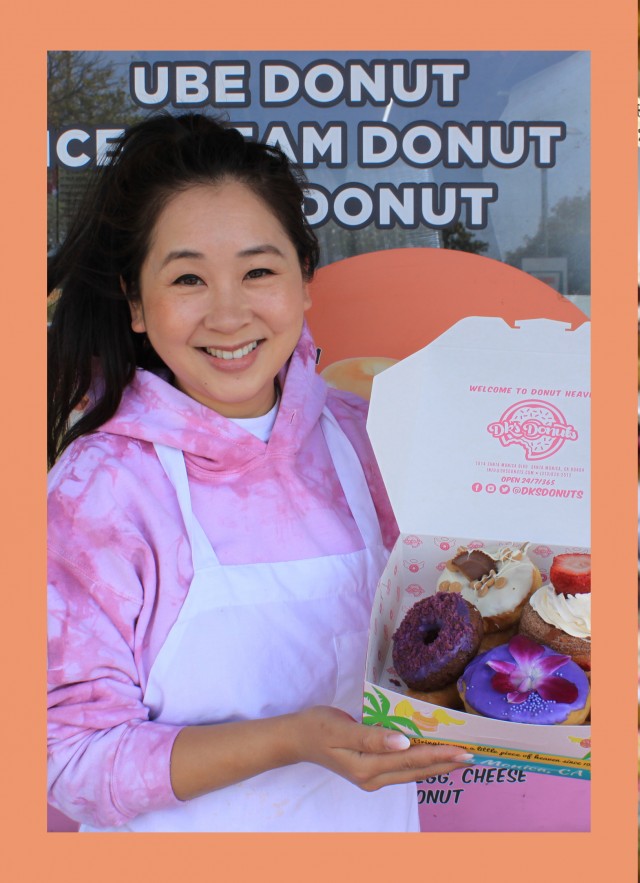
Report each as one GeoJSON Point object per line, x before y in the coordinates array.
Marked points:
{"type": "Point", "coordinates": [436, 639]}
{"type": "Point", "coordinates": [526, 682]}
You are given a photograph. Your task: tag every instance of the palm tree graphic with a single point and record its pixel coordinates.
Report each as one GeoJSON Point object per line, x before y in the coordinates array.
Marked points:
{"type": "Point", "coordinates": [376, 714]}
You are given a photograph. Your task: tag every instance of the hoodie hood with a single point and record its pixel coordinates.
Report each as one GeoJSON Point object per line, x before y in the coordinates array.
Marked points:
{"type": "Point", "coordinates": [152, 410]}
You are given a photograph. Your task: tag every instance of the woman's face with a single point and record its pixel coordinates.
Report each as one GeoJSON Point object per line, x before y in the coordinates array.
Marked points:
{"type": "Point", "coordinates": [222, 297]}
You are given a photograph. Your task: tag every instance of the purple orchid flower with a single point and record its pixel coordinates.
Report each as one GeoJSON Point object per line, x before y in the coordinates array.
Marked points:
{"type": "Point", "coordinates": [531, 671]}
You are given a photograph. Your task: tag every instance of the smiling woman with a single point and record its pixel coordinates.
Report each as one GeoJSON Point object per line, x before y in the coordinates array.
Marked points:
{"type": "Point", "coordinates": [217, 523]}
{"type": "Point", "coordinates": [100, 264]}
{"type": "Point", "coordinates": [225, 311]}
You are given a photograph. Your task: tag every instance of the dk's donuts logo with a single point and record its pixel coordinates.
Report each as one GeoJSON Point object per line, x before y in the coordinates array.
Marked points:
{"type": "Point", "coordinates": [538, 427]}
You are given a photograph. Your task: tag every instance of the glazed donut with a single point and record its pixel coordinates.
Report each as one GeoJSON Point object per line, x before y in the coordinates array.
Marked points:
{"type": "Point", "coordinates": [435, 640]}
{"type": "Point", "coordinates": [356, 375]}
{"type": "Point", "coordinates": [559, 613]}
{"type": "Point", "coordinates": [508, 683]}
{"type": "Point", "coordinates": [496, 581]}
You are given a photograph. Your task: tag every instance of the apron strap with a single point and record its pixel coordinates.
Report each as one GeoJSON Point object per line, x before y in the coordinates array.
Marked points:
{"type": "Point", "coordinates": [172, 461]}
{"type": "Point", "coordinates": [352, 478]}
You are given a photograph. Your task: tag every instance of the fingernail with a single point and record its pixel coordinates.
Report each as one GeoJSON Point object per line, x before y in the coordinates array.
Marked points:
{"type": "Point", "coordinates": [396, 742]}
{"type": "Point", "coordinates": [463, 758]}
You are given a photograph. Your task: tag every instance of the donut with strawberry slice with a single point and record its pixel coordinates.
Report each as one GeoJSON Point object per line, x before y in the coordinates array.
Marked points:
{"type": "Point", "coordinates": [558, 614]}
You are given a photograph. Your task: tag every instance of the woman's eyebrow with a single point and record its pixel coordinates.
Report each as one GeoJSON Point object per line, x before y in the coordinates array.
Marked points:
{"type": "Point", "coordinates": [182, 253]}
{"type": "Point", "coordinates": [252, 251]}
{"type": "Point", "coordinates": [260, 249]}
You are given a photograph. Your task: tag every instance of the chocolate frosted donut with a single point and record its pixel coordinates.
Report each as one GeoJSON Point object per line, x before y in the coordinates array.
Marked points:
{"type": "Point", "coordinates": [437, 638]}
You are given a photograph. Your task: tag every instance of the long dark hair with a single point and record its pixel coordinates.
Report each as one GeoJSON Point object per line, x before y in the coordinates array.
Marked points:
{"type": "Point", "coordinates": [97, 269]}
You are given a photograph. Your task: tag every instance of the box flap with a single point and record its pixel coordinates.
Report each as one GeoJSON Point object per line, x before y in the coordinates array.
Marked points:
{"type": "Point", "coordinates": [485, 432]}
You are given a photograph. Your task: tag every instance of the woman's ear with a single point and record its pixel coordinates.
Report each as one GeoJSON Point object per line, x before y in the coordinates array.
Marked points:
{"type": "Point", "coordinates": [137, 316]}
{"type": "Point", "coordinates": [306, 296]}
{"type": "Point", "coordinates": [135, 308]}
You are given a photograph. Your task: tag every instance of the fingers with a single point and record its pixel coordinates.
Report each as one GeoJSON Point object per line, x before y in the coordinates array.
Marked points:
{"type": "Point", "coordinates": [372, 757]}
{"type": "Point", "coordinates": [340, 730]}
{"type": "Point", "coordinates": [412, 770]}
{"type": "Point", "coordinates": [417, 774]}
{"type": "Point", "coordinates": [377, 740]}
{"type": "Point", "coordinates": [385, 758]}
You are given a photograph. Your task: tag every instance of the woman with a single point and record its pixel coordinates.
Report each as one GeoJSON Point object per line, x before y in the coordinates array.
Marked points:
{"type": "Point", "coordinates": [217, 525]}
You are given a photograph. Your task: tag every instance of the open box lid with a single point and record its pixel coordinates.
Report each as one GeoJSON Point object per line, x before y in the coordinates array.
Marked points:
{"type": "Point", "coordinates": [485, 433]}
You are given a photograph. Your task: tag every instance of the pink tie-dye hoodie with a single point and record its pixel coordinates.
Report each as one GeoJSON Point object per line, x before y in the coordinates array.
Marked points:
{"type": "Point", "coordinates": [120, 563]}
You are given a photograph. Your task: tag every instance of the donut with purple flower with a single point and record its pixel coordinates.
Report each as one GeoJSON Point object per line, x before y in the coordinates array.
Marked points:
{"type": "Point", "coordinates": [526, 682]}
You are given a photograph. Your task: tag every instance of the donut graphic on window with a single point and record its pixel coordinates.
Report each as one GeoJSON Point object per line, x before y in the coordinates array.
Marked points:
{"type": "Point", "coordinates": [537, 426]}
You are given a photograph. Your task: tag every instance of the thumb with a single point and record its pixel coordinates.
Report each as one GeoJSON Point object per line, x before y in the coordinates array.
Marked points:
{"type": "Point", "coordinates": [396, 741]}
{"type": "Point", "coordinates": [377, 740]}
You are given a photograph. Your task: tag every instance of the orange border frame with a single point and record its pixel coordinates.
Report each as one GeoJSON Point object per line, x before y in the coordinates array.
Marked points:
{"type": "Point", "coordinates": [607, 30]}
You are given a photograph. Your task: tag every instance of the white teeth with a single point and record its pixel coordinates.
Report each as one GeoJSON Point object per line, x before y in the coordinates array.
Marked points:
{"type": "Point", "coordinates": [232, 354]}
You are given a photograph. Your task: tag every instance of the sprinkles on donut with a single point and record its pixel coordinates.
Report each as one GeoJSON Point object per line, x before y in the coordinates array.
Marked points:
{"type": "Point", "coordinates": [527, 683]}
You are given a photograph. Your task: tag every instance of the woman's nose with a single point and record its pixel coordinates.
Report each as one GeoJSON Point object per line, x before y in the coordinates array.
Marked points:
{"type": "Point", "coordinates": [227, 309]}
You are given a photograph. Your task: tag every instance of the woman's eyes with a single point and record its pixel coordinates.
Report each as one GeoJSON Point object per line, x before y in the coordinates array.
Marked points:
{"type": "Point", "coordinates": [188, 279]}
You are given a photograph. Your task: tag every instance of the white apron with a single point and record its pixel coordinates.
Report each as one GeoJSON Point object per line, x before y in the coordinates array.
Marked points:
{"type": "Point", "coordinates": [259, 640]}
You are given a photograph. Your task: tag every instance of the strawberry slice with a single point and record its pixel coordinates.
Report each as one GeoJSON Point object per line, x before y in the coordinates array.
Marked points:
{"type": "Point", "coordinates": [571, 573]}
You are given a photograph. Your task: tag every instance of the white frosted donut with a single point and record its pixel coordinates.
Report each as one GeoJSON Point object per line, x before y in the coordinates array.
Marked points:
{"type": "Point", "coordinates": [501, 592]}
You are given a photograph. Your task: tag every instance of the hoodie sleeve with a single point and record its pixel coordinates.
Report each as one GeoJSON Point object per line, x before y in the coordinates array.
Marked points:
{"type": "Point", "coordinates": [351, 412]}
{"type": "Point", "coordinates": [106, 761]}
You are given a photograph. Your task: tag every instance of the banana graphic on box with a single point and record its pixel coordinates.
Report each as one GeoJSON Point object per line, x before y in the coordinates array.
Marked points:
{"type": "Point", "coordinates": [428, 724]}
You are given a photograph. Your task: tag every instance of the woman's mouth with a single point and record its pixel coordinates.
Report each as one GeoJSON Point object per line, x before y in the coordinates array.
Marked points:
{"type": "Point", "coordinates": [238, 353]}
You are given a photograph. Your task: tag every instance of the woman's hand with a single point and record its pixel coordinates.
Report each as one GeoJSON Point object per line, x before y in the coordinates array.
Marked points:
{"type": "Point", "coordinates": [212, 756]}
{"type": "Point", "coordinates": [370, 757]}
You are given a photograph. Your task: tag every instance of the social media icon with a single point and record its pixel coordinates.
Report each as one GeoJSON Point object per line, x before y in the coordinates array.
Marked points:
{"type": "Point", "coordinates": [491, 488]}
{"type": "Point", "coordinates": [476, 488]}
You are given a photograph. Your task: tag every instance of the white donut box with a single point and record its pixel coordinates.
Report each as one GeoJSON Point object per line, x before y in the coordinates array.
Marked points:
{"type": "Point", "coordinates": [482, 438]}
